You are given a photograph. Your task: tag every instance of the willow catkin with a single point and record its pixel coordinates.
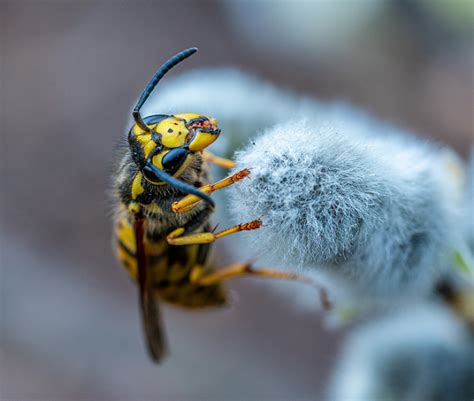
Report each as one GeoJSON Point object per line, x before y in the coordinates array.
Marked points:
{"type": "Point", "coordinates": [349, 195]}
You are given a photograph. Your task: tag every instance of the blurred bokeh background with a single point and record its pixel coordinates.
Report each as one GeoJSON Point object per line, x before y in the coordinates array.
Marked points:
{"type": "Point", "coordinates": [70, 72]}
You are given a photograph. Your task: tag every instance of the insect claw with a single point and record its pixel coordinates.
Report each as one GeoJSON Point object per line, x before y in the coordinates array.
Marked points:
{"type": "Point", "coordinates": [252, 225]}
{"type": "Point", "coordinates": [241, 174]}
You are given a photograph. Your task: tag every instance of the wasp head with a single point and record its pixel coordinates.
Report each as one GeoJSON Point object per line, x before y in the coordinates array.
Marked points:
{"type": "Point", "coordinates": [163, 146]}
{"type": "Point", "coordinates": [171, 142]}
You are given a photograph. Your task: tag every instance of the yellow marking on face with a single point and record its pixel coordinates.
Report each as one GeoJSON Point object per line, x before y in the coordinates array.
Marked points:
{"type": "Point", "coordinates": [144, 139]}
{"type": "Point", "coordinates": [173, 132]}
{"type": "Point", "coordinates": [137, 130]}
{"type": "Point", "coordinates": [137, 187]}
{"type": "Point", "coordinates": [148, 148]}
{"type": "Point", "coordinates": [156, 160]}
{"type": "Point", "coordinates": [201, 141]}
{"type": "Point", "coordinates": [189, 116]}
{"type": "Point", "coordinates": [141, 133]}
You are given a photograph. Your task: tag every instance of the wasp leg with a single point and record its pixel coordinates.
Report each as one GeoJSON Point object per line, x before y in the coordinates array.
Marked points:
{"type": "Point", "coordinates": [189, 201]}
{"type": "Point", "coordinates": [176, 237]}
{"type": "Point", "coordinates": [218, 161]}
{"type": "Point", "coordinates": [200, 277]}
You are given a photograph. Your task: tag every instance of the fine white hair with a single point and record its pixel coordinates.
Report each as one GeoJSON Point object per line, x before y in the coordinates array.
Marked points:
{"type": "Point", "coordinates": [347, 194]}
{"type": "Point", "coordinates": [423, 354]}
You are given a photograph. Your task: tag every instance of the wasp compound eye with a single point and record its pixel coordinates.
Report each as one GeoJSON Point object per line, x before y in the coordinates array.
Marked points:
{"type": "Point", "coordinates": [150, 174]}
{"type": "Point", "coordinates": [174, 159]}
{"type": "Point", "coordinates": [156, 176]}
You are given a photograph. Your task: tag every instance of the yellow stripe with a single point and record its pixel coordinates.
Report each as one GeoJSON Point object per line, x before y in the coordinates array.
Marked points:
{"type": "Point", "coordinates": [160, 270]}
{"type": "Point", "coordinates": [157, 159]}
{"type": "Point", "coordinates": [125, 234]}
{"type": "Point", "coordinates": [155, 248]}
{"type": "Point", "coordinates": [129, 262]}
{"type": "Point", "coordinates": [137, 187]}
{"type": "Point", "coordinates": [148, 148]}
{"type": "Point", "coordinates": [177, 272]}
{"type": "Point", "coordinates": [201, 141]}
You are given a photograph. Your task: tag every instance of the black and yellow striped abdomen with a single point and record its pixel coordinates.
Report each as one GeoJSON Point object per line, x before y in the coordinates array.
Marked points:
{"type": "Point", "coordinates": [170, 267]}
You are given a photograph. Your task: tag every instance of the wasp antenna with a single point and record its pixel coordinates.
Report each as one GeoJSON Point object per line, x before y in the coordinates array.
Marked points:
{"type": "Point", "coordinates": [178, 184]}
{"type": "Point", "coordinates": [168, 65]}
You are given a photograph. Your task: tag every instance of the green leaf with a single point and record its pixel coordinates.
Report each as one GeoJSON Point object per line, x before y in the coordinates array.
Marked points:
{"type": "Point", "coordinates": [460, 262]}
{"type": "Point", "coordinates": [346, 314]}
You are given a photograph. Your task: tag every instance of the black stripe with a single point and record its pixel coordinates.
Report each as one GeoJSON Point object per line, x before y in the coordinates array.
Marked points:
{"type": "Point", "coordinates": [126, 249]}
{"type": "Point", "coordinates": [154, 259]}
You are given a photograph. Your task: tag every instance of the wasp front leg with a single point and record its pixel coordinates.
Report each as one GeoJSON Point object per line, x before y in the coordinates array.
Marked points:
{"type": "Point", "coordinates": [176, 237]}
{"type": "Point", "coordinates": [189, 201]}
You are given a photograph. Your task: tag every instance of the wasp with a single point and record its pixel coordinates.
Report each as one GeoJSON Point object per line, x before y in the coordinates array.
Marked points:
{"type": "Point", "coordinates": [162, 227]}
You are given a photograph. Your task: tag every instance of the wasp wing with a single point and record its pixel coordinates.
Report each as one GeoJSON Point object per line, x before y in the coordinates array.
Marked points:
{"type": "Point", "coordinates": [154, 335]}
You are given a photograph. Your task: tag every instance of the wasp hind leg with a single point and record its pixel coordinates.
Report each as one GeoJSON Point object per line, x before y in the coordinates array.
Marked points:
{"type": "Point", "coordinates": [189, 201]}
{"type": "Point", "coordinates": [201, 277]}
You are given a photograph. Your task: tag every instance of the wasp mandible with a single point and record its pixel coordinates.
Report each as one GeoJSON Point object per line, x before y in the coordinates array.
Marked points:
{"type": "Point", "coordinates": [162, 228]}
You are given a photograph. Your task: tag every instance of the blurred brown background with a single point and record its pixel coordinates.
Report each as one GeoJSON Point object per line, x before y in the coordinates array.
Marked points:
{"type": "Point", "coordinates": [70, 72]}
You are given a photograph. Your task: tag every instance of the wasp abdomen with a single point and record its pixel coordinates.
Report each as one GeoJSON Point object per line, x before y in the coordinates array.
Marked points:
{"type": "Point", "coordinates": [170, 267]}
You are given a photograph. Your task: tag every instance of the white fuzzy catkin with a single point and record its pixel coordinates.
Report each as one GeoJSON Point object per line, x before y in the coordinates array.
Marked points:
{"type": "Point", "coordinates": [423, 354]}
{"type": "Point", "coordinates": [350, 195]}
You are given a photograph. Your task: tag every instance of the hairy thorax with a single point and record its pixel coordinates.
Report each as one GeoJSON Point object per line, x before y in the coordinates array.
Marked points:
{"type": "Point", "coordinates": [156, 200]}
